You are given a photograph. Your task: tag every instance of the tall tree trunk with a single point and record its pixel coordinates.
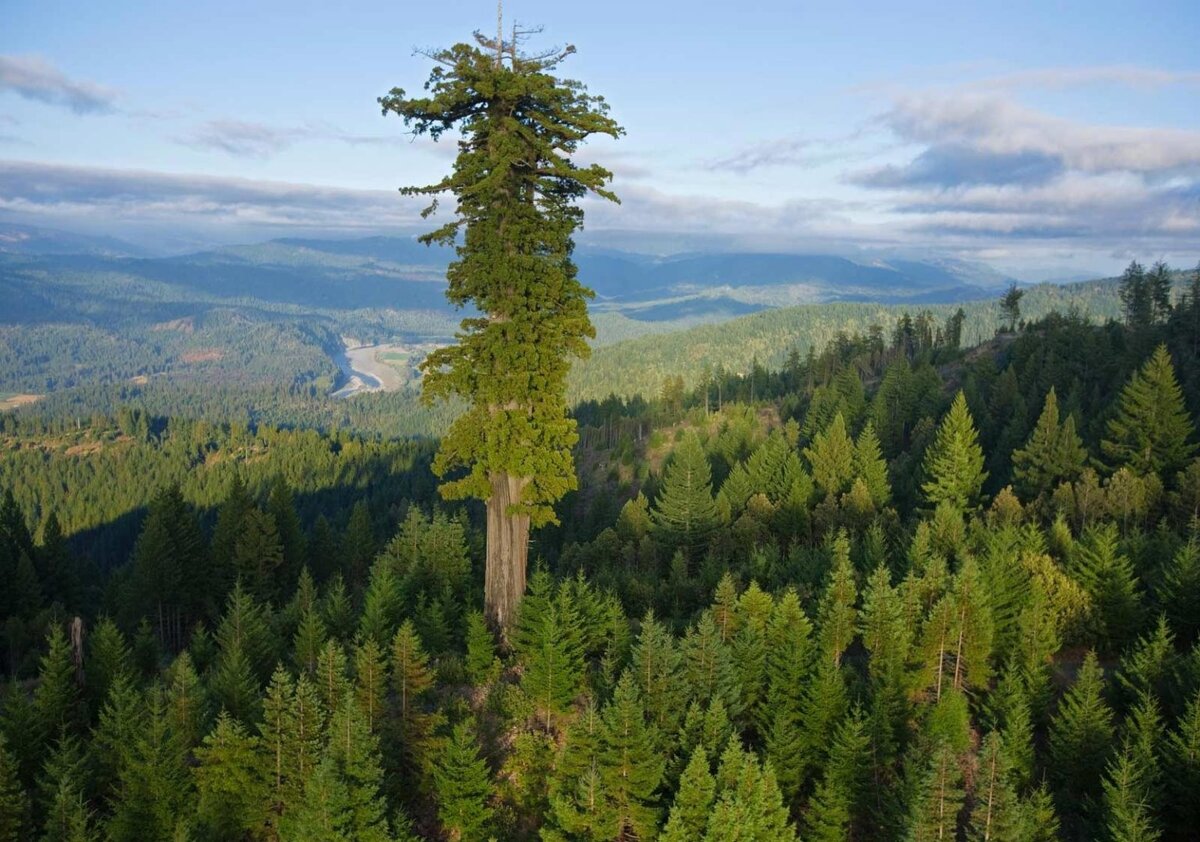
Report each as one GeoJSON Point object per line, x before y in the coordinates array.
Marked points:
{"type": "Point", "coordinates": [507, 552]}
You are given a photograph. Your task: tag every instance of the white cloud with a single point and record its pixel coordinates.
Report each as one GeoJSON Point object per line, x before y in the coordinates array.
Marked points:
{"type": "Point", "coordinates": [32, 77]}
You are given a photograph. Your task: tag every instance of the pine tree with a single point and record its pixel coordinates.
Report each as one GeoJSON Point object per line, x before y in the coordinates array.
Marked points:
{"type": "Point", "coordinates": [749, 805]}
{"type": "Point", "coordinates": [481, 662]}
{"type": "Point", "coordinates": [331, 680]}
{"type": "Point", "coordinates": [1108, 578]}
{"type": "Point", "coordinates": [309, 640]}
{"type": "Point", "coordinates": [630, 766]}
{"type": "Point", "coordinates": [463, 787]}
{"type": "Point", "coordinates": [64, 780]}
{"type": "Point", "coordinates": [412, 680]}
{"type": "Point", "coordinates": [14, 803]}
{"type": "Point", "coordinates": [938, 800]}
{"type": "Point", "coordinates": [358, 546]}
{"type": "Point", "coordinates": [1081, 740]}
{"type": "Point", "coordinates": [154, 783]}
{"type": "Point", "coordinates": [230, 780]}
{"type": "Point", "coordinates": [1150, 431]}
{"type": "Point", "coordinates": [226, 532]}
{"type": "Point", "coordinates": [871, 467]}
{"type": "Point", "coordinates": [708, 670]}
{"type": "Point", "coordinates": [57, 699]}
{"type": "Point", "coordinates": [258, 555]}
{"type": "Point", "coordinates": [655, 665]}
{"type": "Point", "coordinates": [281, 506]}
{"type": "Point", "coordinates": [551, 649]}
{"type": "Point", "coordinates": [693, 802]}
{"type": "Point", "coordinates": [1181, 768]}
{"type": "Point", "coordinates": [370, 681]}
{"type": "Point", "coordinates": [574, 787]}
{"type": "Point", "coordinates": [355, 753]}
{"type": "Point", "coordinates": [514, 265]}
{"type": "Point", "coordinates": [997, 814]}
{"type": "Point", "coordinates": [1053, 454]}
{"type": "Point", "coordinates": [1127, 816]}
{"type": "Point", "coordinates": [684, 513]}
{"type": "Point", "coordinates": [383, 605]}
{"type": "Point", "coordinates": [836, 616]}
{"type": "Point", "coordinates": [108, 659]}
{"type": "Point", "coordinates": [835, 802]}
{"type": "Point", "coordinates": [953, 465]}
{"type": "Point", "coordinates": [832, 458]}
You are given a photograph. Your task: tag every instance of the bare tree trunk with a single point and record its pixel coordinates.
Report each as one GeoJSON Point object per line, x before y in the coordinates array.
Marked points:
{"type": "Point", "coordinates": [507, 552]}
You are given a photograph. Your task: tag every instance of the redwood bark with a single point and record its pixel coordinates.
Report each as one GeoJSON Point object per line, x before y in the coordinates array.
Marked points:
{"type": "Point", "coordinates": [507, 552]}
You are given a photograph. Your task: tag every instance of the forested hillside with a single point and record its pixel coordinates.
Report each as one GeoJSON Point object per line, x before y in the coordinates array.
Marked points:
{"type": "Point", "coordinates": [904, 587]}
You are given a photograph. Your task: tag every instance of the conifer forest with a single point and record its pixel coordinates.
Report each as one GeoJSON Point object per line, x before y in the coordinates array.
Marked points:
{"type": "Point", "coordinates": [930, 573]}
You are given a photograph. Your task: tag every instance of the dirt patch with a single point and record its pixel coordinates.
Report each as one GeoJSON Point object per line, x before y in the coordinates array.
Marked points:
{"type": "Point", "coordinates": [209, 355]}
{"type": "Point", "coordinates": [184, 325]}
{"type": "Point", "coordinates": [86, 448]}
{"type": "Point", "coordinates": [8, 402]}
{"type": "Point", "coordinates": [140, 380]}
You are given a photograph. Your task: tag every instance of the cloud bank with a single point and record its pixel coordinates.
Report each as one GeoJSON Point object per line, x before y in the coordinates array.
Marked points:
{"type": "Point", "coordinates": [36, 79]}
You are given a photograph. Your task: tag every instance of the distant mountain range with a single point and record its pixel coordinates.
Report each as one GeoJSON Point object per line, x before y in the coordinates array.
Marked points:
{"type": "Point", "coordinates": [401, 273]}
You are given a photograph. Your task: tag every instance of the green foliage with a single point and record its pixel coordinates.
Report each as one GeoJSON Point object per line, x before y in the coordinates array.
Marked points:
{"type": "Point", "coordinates": [1052, 455]}
{"type": "Point", "coordinates": [230, 781]}
{"type": "Point", "coordinates": [463, 787]}
{"type": "Point", "coordinates": [684, 513]}
{"type": "Point", "coordinates": [1081, 741]}
{"type": "Point", "coordinates": [690, 810]}
{"type": "Point", "coordinates": [1151, 430]}
{"type": "Point", "coordinates": [953, 466]}
{"type": "Point", "coordinates": [14, 803]}
{"type": "Point", "coordinates": [513, 263]}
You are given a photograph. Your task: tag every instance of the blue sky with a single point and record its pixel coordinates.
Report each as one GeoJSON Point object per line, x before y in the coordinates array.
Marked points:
{"type": "Point", "coordinates": [1042, 138]}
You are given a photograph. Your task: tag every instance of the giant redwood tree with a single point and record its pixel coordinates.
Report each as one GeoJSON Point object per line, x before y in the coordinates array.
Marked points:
{"type": "Point", "coordinates": [516, 189]}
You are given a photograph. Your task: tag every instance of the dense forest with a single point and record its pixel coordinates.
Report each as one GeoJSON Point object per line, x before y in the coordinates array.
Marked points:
{"type": "Point", "coordinates": [900, 586]}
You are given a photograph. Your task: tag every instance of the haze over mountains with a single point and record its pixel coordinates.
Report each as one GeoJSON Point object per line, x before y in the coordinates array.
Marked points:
{"type": "Point", "coordinates": [400, 273]}
{"type": "Point", "coordinates": [260, 331]}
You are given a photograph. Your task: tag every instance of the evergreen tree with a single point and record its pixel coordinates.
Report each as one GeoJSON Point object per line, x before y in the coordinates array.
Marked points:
{"type": "Point", "coordinates": [154, 785]}
{"type": "Point", "coordinates": [693, 802]}
{"type": "Point", "coordinates": [998, 813]}
{"type": "Point", "coordinates": [108, 660]}
{"type": "Point", "coordinates": [1053, 454]}
{"type": "Point", "coordinates": [514, 265]}
{"type": "Point", "coordinates": [871, 467]}
{"type": "Point", "coordinates": [1128, 817]}
{"type": "Point", "coordinates": [655, 666]}
{"type": "Point", "coordinates": [836, 616]}
{"type": "Point", "coordinates": [230, 781]}
{"type": "Point", "coordinates": [938, 800]}
{"type": "Point", "coordinates": [1137, 297]}
{"type": "Point", "coordinates": [1108, 578]}
{"type": "Point", "coordinates": [258, 555]}
{"type": "Point", "coordinates": [953, 465]}
{"type": "Point", "coordinates": [684, 513]}
{"type": "Point", "coordinates": [835, 802]}
{"type": "Point", "coordinates": [57, 699]}
{"type": "Point", "coordinates": [463, 787]}
{"type": "Point", "coordinates": [551, 649]}
{"type": "Point", "coordinates": [481, 662]}
{"type": "Point", "coordinates": [832, 458]}
{"type": "Point", "coordinates": [14, 803]}
{"type": "Point", "coordinates": [749, 805]}
{"type": "Point", "coordinates": [354, 752]}
{"type": "Point", "coordinates": [281, 506]}
{"type": "Point", "coordinates": [370, 681]}
{"type": "Point", "coordinates": [1181, 768]}
{"type": "Point", "coordinates": [629, 765]}
{"type": "Point", "coordinates": [1081, 741]}
{"type": "Point", "coordinates": [1150, 432]}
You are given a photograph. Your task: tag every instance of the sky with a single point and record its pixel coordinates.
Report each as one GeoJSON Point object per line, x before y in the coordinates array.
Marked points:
{"type": "Point", "coordinates": [1047, 139]}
